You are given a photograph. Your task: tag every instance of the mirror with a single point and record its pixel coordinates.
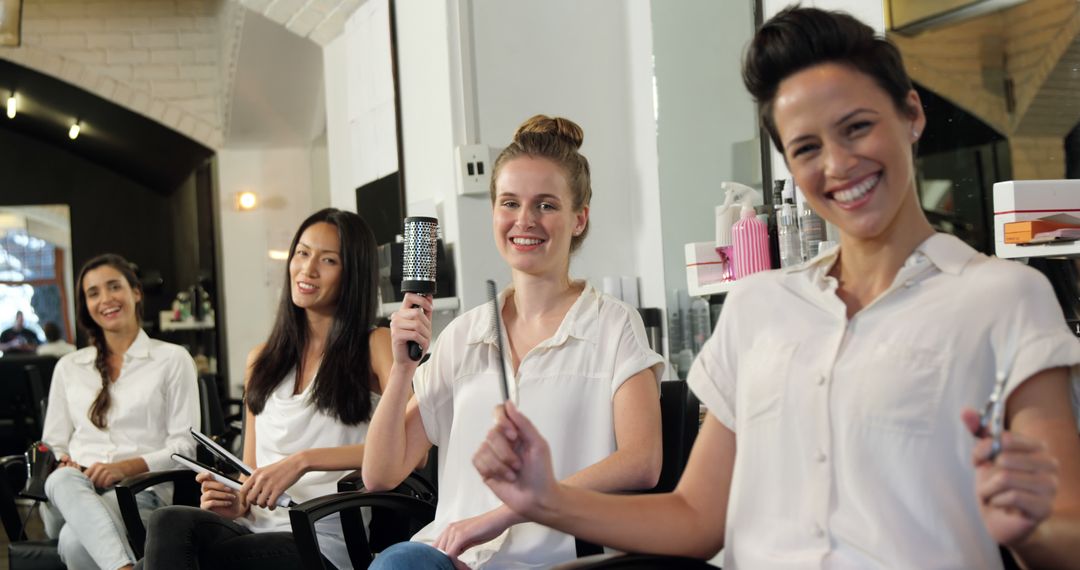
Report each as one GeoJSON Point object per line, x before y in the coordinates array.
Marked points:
{"type": "Point", "coordinates": [707, 131]}
{"type": "Point", "coordinates": [1001, 91]}
{"type": "Point", "coordinates": [35, 268]}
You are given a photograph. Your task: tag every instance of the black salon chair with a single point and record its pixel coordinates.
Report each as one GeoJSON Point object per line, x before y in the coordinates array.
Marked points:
{"type": "Point", "coordinates": [186, 491]}
{"type": "Point", "coordinates": [22, 554]}
{"type": "Point", "coordinates": [679, 425]}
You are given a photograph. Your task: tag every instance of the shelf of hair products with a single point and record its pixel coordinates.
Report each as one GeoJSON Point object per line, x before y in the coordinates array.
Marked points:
{"type": "Point", "coordinates": [748, 239]}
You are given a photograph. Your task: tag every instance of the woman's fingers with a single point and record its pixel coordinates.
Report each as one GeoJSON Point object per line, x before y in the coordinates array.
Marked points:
{"type": "Point", "coordinates": [489, 465]}
{"type": "Point", "coordinates": [1011, 442]}
{"type": "Point", "coordinates": [1042, 484]}
{"type": "Point", "coordinates": [500, 446]}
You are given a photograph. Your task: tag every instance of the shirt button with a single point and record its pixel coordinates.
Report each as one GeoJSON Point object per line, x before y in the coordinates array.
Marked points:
{"type": "Point", "coordinates": [820, 457]}
{"type": "Point", "coordinates": [818, 531]}
{"type": "Point", "coordinates": [909, 284]}
{"type": "Point", "coordinates": [821, 380]}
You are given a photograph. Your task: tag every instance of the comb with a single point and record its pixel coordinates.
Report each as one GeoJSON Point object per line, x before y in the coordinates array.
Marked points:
{"type": "Point", "coordinates": [496, 327]}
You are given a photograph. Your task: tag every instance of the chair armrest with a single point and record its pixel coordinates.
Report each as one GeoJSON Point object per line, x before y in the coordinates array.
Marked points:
{"type": "Point", "coordinates": [634, 562]}
{"type": "Point", "coordinates": [414, 485]}
{"type": "Point", "coordinates": [351, 482]}
{"type": "Point", "coordinates": [185, 492]}
{"type": "Point", "coordinates": [304, 516]}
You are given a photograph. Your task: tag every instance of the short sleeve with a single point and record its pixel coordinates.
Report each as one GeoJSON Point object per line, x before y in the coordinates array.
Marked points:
{"type": "Point", "coordinates": [433, 391]}
{"type": "Point", "coordinates": [1035, 336]}
{"type": "Point", "coordinates": [712, 375]}
{"type": "Point", "coordinates": [633, 353]}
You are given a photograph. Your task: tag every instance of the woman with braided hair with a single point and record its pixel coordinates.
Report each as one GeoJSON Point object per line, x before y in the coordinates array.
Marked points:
{"type": "Point", "coordinates": [119, 407]}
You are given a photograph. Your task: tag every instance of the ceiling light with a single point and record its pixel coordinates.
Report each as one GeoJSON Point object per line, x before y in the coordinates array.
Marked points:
{"type": "Point", "coordinates": [73, 132]}
{"type": "Point", "coordinates": [246, 200]}
{"type": "Point", "coordinates": [11, 106]}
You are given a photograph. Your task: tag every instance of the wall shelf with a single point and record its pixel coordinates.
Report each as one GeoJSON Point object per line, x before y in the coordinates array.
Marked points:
{"type": "Point", "coordinates": [712, 289]}
{"type": "Point", "coordinates": [165, 323]}
{"type": "Point", "coordinates": [1052, 249]}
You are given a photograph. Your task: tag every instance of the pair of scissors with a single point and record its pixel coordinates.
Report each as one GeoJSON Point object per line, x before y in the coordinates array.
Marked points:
{"type": "Point", "coordinates": [992, 420]}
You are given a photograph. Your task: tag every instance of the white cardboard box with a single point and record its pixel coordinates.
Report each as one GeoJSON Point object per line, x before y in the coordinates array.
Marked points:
{"type": "Point", "coordinates": [1023, 200]}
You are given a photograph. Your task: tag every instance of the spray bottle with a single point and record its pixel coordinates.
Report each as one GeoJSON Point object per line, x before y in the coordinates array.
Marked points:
{"type": "Point", "coordinates": [726, 216]}
{"type": "Point", "coordinates": [749, 238]}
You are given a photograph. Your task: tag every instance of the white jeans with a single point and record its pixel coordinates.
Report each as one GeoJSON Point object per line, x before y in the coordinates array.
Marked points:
{"type": "Point", "coordinates": [88, 523]}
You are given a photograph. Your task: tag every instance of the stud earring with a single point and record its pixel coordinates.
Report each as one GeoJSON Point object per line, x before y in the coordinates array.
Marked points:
{"type": "Point", "coordinates": [915, 133]}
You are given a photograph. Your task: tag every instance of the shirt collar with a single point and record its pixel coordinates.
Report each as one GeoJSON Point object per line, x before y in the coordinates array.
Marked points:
{"type": "Point", "coordinates": [947, 252]}
{"type": "Point", "coordinates": [138, 349]}
{"type": "Point", "coordinates": [575, 324]}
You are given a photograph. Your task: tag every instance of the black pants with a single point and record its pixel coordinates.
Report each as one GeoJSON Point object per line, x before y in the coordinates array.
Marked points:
{"type": "Point", "coordinates": [188, 538]}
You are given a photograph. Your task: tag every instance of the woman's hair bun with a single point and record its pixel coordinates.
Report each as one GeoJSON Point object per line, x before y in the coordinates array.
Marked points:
{"type": "Point", "coordinates": [552, 126]}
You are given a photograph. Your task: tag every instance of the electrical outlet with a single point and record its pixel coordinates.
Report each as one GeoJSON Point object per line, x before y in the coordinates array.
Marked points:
{"type": "Point", "coordinates": [474, 168]}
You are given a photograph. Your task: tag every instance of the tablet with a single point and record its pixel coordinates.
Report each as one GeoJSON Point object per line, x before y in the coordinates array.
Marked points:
{"type": "Point", "coordinates": [200, 468]}
{"type": "Point", "coordinates": [221, 453]}
{"type": "Point", "coordinates": [283, 500]}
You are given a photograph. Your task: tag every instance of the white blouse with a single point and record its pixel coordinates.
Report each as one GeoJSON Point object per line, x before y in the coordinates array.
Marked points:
{"type": "Point", "coordinates": [155, 402]}
{"type": "Point", "coordinates": [288, 424]}
{"type": "Point", "coordinates": [851, 452]}
{"type": "Point", "coordinates": [566, 386]}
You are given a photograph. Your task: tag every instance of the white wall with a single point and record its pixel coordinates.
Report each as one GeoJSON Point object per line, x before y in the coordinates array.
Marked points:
{"type": "Point", "coordinates": [252, 281]}
{"type": "Point", "coordinates": [587, 61]}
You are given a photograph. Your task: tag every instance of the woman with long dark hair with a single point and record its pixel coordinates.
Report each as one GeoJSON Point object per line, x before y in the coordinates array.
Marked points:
{"type": "Point", "coordinates": [840, 431]}
{"type": "Point", "coordinates": [310, 390]}
{"type": "Point", "coordinates": [117, 408]}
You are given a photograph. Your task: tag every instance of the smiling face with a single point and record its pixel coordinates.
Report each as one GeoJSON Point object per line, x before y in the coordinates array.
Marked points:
{"type": "Point", "coordinates": [849, 149]}
{"type": "Point", "coordinates": [110, 300]}
{"type": "Point", "coordinates": [315, 269]}
{"type": "Point", "coordinates": [534, 218]}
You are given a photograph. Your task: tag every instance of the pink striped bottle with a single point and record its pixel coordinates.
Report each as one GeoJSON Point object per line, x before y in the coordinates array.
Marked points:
{"type": "Point", "coordinates": [749, 244]}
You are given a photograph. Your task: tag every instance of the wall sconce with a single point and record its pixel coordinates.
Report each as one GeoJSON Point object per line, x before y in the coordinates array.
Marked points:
{"type": "Point", "coordinates": [11, 106]}
{"type": "Point", "coordinates": [73, 132]}
{"type": "Point", "coordinates": [246, 201]}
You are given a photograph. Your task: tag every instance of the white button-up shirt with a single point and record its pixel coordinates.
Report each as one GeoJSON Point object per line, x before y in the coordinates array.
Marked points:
{"type": "Point", "coordinates": [850, 448]}
{"type": "Point", "coordinates": [155, 402]}
{"type": "Point", "coordinates": [565, 385]}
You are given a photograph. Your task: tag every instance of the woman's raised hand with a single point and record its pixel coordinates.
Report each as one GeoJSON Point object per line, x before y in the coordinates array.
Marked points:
{"type": "Point", "coordinates": [219, 499]}
{"type": "Point", "coordinates": [1016, 489]}
{"type": "Point", "coordinates": [410, 323]}
{"type": "Point", "coordinates": [515, 462]}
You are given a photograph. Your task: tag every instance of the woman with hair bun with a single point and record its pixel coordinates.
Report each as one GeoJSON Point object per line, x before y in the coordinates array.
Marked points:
{"type": "Point", "coordinates": [840, 431]}
{"type": "Point", "coordinates": [577, 359]}
{"type": "Point", "coordinates": [117, 408]}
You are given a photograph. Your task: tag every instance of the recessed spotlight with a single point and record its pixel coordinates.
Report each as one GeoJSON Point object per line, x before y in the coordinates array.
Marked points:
{"type": "Point", "coordinates": [11, 106]}
{"type": "Point", "coordinates": [73, 132]}
{"type": "Point", "coordinates": [246, 200]}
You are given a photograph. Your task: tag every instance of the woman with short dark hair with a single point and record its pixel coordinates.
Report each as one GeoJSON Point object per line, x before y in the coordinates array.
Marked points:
{"type": "Point", "coordinates": [840, 432]}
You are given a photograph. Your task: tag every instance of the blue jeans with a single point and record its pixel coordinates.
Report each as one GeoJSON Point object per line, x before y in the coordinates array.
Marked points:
{"type": "Point", "coordinates": [409, 555]}
{"type": "Point", "coordinates": [87, 522]}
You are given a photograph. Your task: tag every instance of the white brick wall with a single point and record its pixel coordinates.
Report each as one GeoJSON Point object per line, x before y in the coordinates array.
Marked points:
{"type": "Point", "coordinates": [164, 59]}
